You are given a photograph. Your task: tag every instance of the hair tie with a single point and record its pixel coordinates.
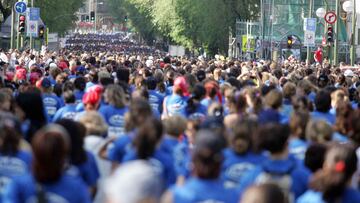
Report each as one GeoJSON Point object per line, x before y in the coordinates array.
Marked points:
{"type": "Point", "coordinates": [340, 166]}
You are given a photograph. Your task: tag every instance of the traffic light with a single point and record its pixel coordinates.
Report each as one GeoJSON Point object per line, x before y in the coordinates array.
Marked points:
{"type": "Point", "coordinates": [22, 23]}
{"type": "Point", "coordinates": [87, 18]}
{"type": "Point", "coordinates": [330, 35]}
{"type": "Point", "coordinates": [41, 33]}
{"type": "Point", "coordinates": [92, 16]}
{"type": "Point", "coordinates": [289, 41]}
{"type": "Point", "coordinates": [82, 19]}
{"type": "Point", "coordinates": [125, 18]}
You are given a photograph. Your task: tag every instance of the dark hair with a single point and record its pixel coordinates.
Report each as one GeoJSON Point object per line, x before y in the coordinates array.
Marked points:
{"type": "Point", "coordinates": [80, 83]}
{"type": "Point", "coordinates": [241, 140]}
{"type": "Point", "coordinates": [123, 74]}
{"type": "Point", "coordinates": [298, 123]}
{"type": "Point", "coordinates": [10, 134]}
{"type": "Point", "coordinates": [32, 105]}
{"type": "Point", "coordinates": [76, 132]}
{"type": "Point", "coordinates": [314, 156]}
{"type": "Point", "coordinates": [331, 181]}
{"type": "Point", "coordinates": [50, 149]}
{"type": "Point", "coordinates": [323, 101]}
{"type": "Point", "coordinates": [139, 111]}
{"type": "Point", "coordinates": [354, 130]}
{"type": "Point", "coordinates": [207, 156]}
{"type": "Point", "coordinates": [148, 136]}
{"type": "Point", "coordinates": [68, 86]}
{"type": "Point", "coordinates": [58, 89]}
{"type": "Point", "coordinates": [343, 113]}
{"type": "Point", "coordinates": [197, 94]}
{"type": "Point", "coordinates": [69, 97]}
{"type": "Point", "coordinates": [265, 193]}
{"type": "Point", "coordinates": [273, 137]}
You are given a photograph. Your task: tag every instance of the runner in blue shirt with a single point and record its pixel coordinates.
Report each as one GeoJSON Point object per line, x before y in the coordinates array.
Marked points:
{"type": "Point", "coordinates": [279, 168]}
{"type": "Point", "coordinates": [82, 164]}
{"type": "Point", "coordinates": [212, 91]}
{"type": "Point", "coordinates": [146, 147]}
{"type": "Point", "coordinates": [298, 144]}
{"type": "Point", "coordinates": [14, 162]}
{"type": "Point", "coordinates": [69, 110]}
{"type": "Point", "coordinates": [330, 184]}
{"type": "Point", "coordinates": [239, 158]}
{"type": "Point", "coordinates": [51, 102]}
{"type": "Point", "coordinates": [194, 109]}
{"type": "Point", "coordinates": [155, 98]}
{"type": "Point", "coordinates": [114, 112]}
{"type": "Point", "coordinates": [176, 103]}
{"type": "Point", "coordinates": [323, 106]}
{"type": "Point", "coordinates": [205, 186]}
{"type": "Point", "coordinates": [175, 127]}
{"type": "Point", "coordinates": [80, 84]}
{"type": "Point", "coordinates": [50, 150]}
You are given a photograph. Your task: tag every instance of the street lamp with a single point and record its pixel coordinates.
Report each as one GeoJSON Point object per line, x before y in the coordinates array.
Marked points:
{"type": "Point", "coordinates": [349, 7]}
{"type": "Point", "coordinates": [320, 12]}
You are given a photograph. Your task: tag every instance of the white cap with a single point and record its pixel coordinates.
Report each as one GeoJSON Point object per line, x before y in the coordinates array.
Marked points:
{"type": "Point", "coordinates": [53, 65]}
{"type": "Point", "coordinates": [349, 73]}
{"type": "Point", "coordinates": [134, 182]}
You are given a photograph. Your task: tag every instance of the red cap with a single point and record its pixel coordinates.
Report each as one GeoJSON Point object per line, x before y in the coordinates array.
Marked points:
{"type": "Point", "coordinates": [63, 65]}
{"type": "Point", "coordinates": [21, 74]}
{"type": "Point", "coordinates": [96, 88]}
{"type": "Point", "coordinates": [91, 98]}
{"type": "Point", "coordinates": [180, 83]}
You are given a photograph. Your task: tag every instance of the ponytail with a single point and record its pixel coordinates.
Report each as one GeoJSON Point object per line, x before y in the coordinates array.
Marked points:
{"type": "Point", "coordinates": [148, 136]}
{"type": "Point", "coordinates": [340, 165]}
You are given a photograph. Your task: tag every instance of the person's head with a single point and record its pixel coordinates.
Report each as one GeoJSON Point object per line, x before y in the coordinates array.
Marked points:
{"type": "Point", "coordinates": [264, 193]}
{"type": "Point", "coordinates": [289, 90]}
{"type": "Point", "coordinates": [323, 101]}
{"type": "Point", "coordinates": [45, 85]}
{"type": "Point", "coordinates": [94, 123]}
{"type": "Point", "coordinates": [91, 100]}
{"type": "Point", "coordinates": [207, 154]}
{"type": "Point", "coordinates": [80, 83]}
{"type": "Point", "coordinates": [135, 182]}
{"type": "Point", "coordinates": [115, 96]}
{"type": "Point", "coordinates": [273, 99]}
{"type": "Point", "coordinates": [175, 126]}
{"type": "Point", "coordinates": [10, 134]}
{"type": "Point", "coordinates": [50, 147]}
{"type": "Point", "coordinates": [273, 137]}
{"type": "Point", "coordinates": [69, 97]}
{"type": "Point", "coordinates": [338, 96]}
{"type": "Point", "coordinates": [241, 136]}
{"type": "Point", "coordinates": [181, 87]}
{"type": "Point", "coordinates": [318, 131]}
{"type": "Point", "coordinates": [339, 166]}
{"type": "Point", "coordinates": [5, 101]}
{"type": "Point", "coordinates": [148, 136]}
{"type": "Point", "coordinates": [314, 156]}
{"type": "Point", "coordinates": [298, 122]}
{"type": "Point", "coordinates": [76, 132]}
{"type": "Point", "coordinates": [139, 111]}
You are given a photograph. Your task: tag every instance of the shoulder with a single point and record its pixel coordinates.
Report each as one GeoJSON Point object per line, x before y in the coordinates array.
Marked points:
{"type": "Point", "coordinates": [310, 197]}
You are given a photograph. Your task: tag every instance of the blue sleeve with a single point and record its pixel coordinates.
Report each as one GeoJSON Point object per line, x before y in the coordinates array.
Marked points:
{"type": "Point", "coordinates": [11, 193]}
{"type": "Point", "coordinates": [90, 171]}
{"type": "Point", "coordinates": [248, 179]}
{"type": "Point", "coordinates": [58, 115]}
{"type": "Point", "coordinates": [117, 151]}
{"type": "Point", "coordinates": [181, 161]}
{"type": "Point", "coordinates": [83, 193]}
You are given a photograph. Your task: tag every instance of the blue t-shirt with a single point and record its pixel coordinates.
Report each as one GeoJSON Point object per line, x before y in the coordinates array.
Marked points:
{"type": "Point", "coordinates": [280, 168]}
{"type": "Point", "coordinates": [155, 101]}
{"type": "Point", "coordinates": [66, 190]}
{"type": "Point", "coordinates": [52, 103]}
{"type": "Point", "coordinates": [176, 105]}
{"type": "Point", "coordinates": [200, 190]}
{"type": "Point", "coordinates": [199, 113]}
{"type": "Point", "coordinates": [339, 137]}
{"type": "Point", "coordinates": [13, 166]}
{"type": "Point", "coordinates": [162, 162]}
{"type": "Point", "coordinates": [88, 171]}
{"type": "Point", "coordinates": [68, 112]}
{"type": "Point", "coordinates": [78, 96]}
{"type": "Point", "coordinates": [298, 147]}
{"type": "Point", "coordinates": [182, 158]}
{"type": "Point", "coordinates": [328, 117]}
{"type": "Point", "coordinates": [115, 118]}
{"type": "Point", "coordinates": [349, 195]}
{"type": "Point", "coordinates": [120, 147]}
{"type": "Point", "coordinates": [236, 165]}
{"type": "Point", "coordinates": [207, 102]}
{"type": "Point", "coordinates": [168, 144]}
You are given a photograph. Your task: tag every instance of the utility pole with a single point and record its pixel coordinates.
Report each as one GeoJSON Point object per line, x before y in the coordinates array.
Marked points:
{"type": "Point", "coordinates": [308, 51]}
{"type": "Point", "coordinates": [336, 44]}
{"type": "Point", "coordinates": [31, 38]}
{"type": "Point", "coordinates": [95, 13]}
{"type": "Point", "coordinates": [352, 49]}
{"type": "Point", "coordinates": [12, 35]}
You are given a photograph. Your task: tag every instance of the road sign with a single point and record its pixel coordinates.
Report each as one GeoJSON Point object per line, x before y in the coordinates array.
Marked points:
{"type": "Point", "coordinates": [34, 13]}
{"type": "Point", "coordinates": [310, 24]}
{"type": "Point", "coordinates": [309, 39]}
{"type": "Point", "coordinates": [32, 28]}
{"type": "Point", "coordinates": [330, 17]}
{"type": "Point", "coordinates": [20, 7]}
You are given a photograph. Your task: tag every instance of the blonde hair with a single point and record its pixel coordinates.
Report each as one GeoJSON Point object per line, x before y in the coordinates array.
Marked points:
{"type": "Point", "coordinates": [175, 125]}
{"type": "Point", "coordinates": [94, 123]}
{"type": "Point", "coordinates": [318, 131]}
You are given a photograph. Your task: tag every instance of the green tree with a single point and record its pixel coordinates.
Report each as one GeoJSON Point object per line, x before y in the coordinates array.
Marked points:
{"type": "Point", "coordinates": [5, 8]}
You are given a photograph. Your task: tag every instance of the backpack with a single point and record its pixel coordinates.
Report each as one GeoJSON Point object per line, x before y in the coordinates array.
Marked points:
{"type": "Point", "coordinates": [283, 180]}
